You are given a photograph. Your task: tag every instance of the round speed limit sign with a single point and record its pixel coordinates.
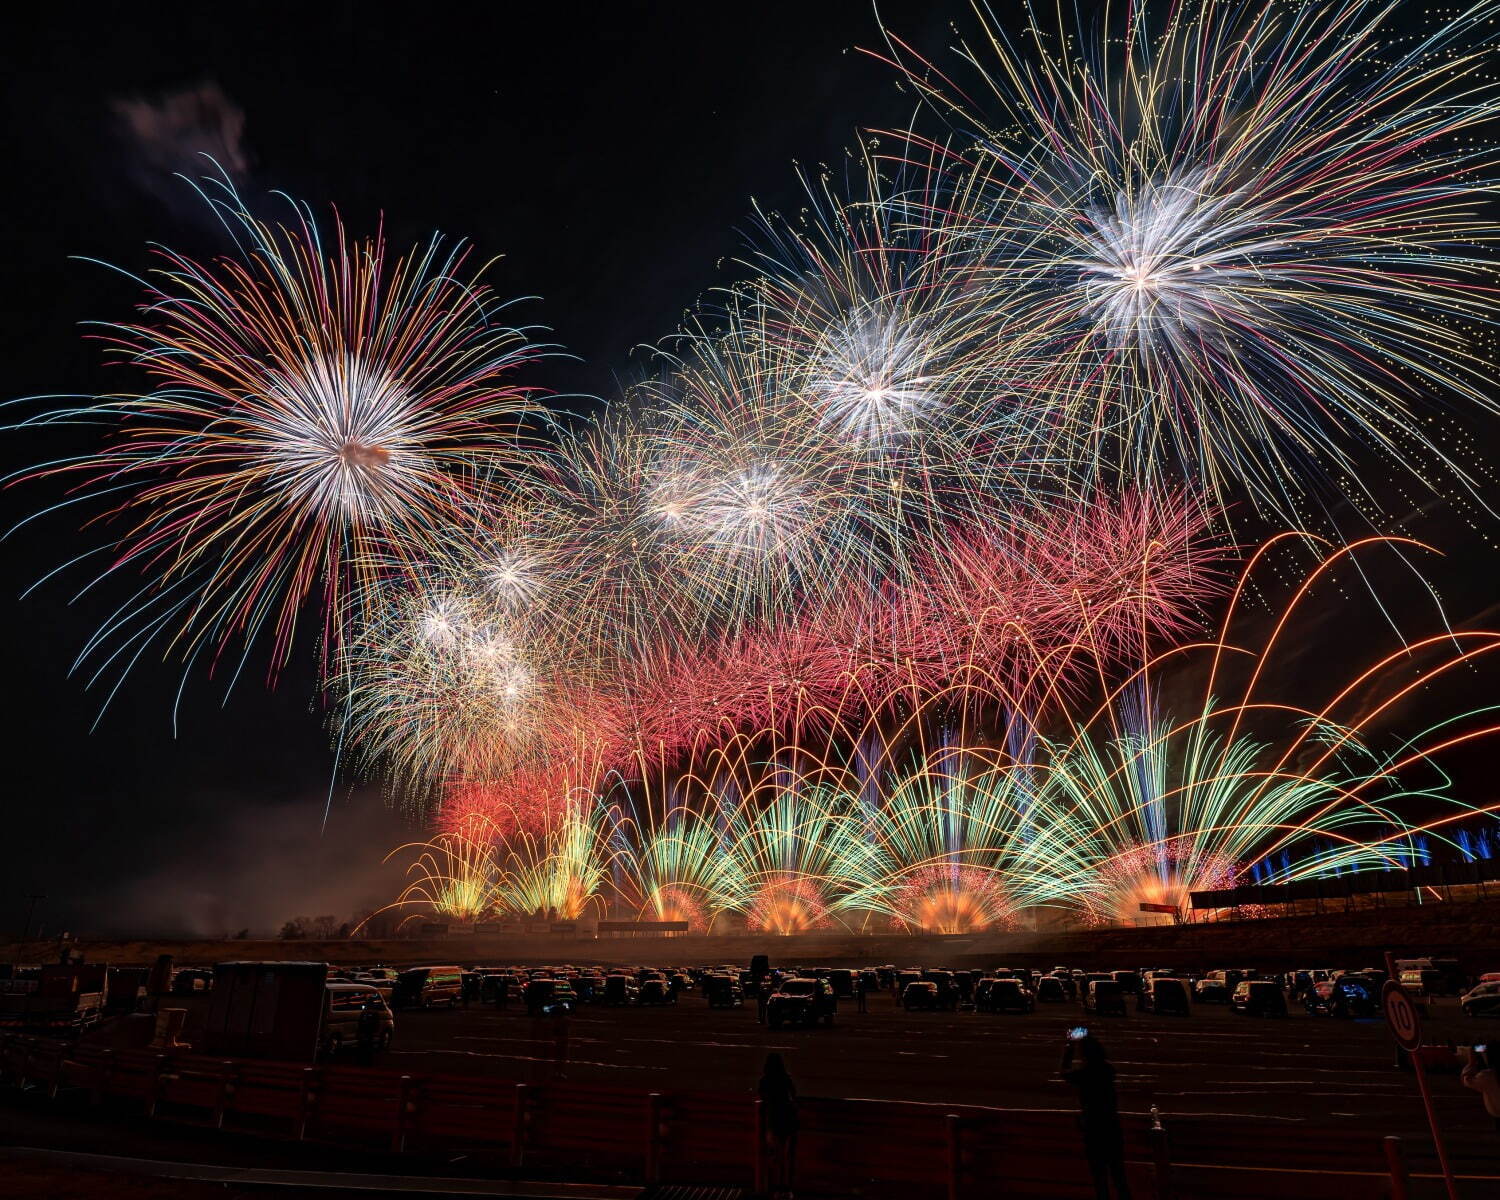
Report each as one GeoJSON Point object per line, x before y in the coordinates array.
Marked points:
{"type": "Point", "coordinates": [1401, 1015]}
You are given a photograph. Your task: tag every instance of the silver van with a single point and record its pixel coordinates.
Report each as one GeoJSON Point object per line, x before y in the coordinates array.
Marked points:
{"type": "Point", "coordinates": [344, 1007]}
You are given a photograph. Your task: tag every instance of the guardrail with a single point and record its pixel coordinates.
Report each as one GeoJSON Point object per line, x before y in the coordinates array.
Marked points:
{"type": "Point", "coordinates": [879, 1148]}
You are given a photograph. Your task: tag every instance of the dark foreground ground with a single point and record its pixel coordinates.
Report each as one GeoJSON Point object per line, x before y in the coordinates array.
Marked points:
{"type": "Point", "coordinates": [1273, 1075]}
{"type": "Point", "coordinates": [1297, 1070]}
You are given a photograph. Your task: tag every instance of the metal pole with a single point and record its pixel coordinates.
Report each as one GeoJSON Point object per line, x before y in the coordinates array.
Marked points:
{"type": "Point", "coordinates": [758, 1161]}
{"type": "Point", "coordinates": [955, 1155]}
{"type": "Point", "coordinates": [1415, 1058]}
{"type": "Point", "coordinates": [31, 912]}
{"type": "Point", "coordinates": [654, 1109]}
{"type": "Point", "coordinates": [1437, 1137]}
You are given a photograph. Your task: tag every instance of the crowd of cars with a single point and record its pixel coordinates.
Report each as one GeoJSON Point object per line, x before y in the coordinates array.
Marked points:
{"type": "Point", "coordinates": [362, 1002]}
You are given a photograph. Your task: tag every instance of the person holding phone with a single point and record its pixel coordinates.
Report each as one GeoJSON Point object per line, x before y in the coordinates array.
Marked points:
{"type": "Point", "coordinates": [1087, 1068]}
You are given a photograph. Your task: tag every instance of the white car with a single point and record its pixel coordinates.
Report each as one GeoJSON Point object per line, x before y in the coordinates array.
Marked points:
{"type": "Point", "coordinates": [1481, 1001]}
{"type": "Point", "coordinates": [382, 980]}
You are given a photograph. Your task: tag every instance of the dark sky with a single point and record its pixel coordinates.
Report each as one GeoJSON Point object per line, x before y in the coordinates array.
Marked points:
{"type": "Point", "coordinates": [608, 150]}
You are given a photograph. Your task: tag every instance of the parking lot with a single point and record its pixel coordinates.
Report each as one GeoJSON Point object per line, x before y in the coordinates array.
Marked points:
{"type": "Point", "coordinates": [1299, 1069]}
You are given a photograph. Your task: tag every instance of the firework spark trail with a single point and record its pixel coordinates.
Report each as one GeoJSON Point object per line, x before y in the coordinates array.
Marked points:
{"type": "Point", "coordinates": [1254, 237]}
{"type": "Point", "coordinates": [319, 410]}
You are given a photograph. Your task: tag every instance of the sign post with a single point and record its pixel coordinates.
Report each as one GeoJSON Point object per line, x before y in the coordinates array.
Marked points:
{"type": "Point", "coordinates": [1406, 1027]}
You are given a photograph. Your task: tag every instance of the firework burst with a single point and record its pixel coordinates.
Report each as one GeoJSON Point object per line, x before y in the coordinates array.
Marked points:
{"type": "Point", "coordinates": [319, 409]}
{"type": "Point", "coordinates": [1251, 236]}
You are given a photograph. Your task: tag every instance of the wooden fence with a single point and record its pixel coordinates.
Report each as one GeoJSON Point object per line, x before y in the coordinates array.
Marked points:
{"type": "Point", "coordinates": [873, 1148]}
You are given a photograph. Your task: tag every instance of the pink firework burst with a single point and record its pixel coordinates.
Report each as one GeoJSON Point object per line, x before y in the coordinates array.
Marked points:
{"type": "Point", "coordinates": [788, 903]}
{"type": "Point", "coordinates": [943, 898]}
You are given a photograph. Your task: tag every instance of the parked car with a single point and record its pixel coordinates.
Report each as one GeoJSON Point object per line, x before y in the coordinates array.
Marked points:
{"type": "Point", "coordinates": [1342, 997]}
{"type": "Point", "coordinates": [383, 981]}
{"type": "Point", "coordinates": [948, 992]}
{"type": "Point", "coordinates": [1050, 990]}
{"type": "Point", "coordinates": [721, 991]}
{"type": "Point", "coordinates": [344, 1007]}
{"type": "Point", "coordinates": [1010, 996]}
{"type": "Point", "coordinates": [549, 997]}
{"type": "Point", "coordinates": [1105, 998]}
{"type": "Point", "coordinates": [1482, 1000]}
{"type": "Point", "coordinates": [621, 990]}
{"type": "Point", "coordinates": [920, 995]}
{"type": "Point", "coordinates": [982, 991]}
{"type": "Point", "coordinates": [1258, 998]}
{"type": "Point", "coordinates": [1230, 979]}
{"type": "Point", "coordinates": [950, 988]}
{"type": "Point", "coordinates": [1210, 991]}
{"type": "Point", "coordinates": [1164, 996]}
{"type": "Point", "coordinates": [801, 1002]}
{"type": "Point", "coordinates": [427, 987]}
{"type": "Point", "coordinates": [508, 985]}
{"type": "Point", "coordinates": [1424, 981]}
{"type": "Point", "coordinates": [191, 979]}
{"type": "Point", "coordinates": [656, 992]}
{"type": "Point", "coordinates": [590, 988]}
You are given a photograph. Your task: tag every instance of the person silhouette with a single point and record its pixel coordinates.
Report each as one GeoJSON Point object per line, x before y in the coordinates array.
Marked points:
{"type": "Point", "coordinates": [1098, 1113]}
{"type": "Point", "coordinates": [778, 1098]}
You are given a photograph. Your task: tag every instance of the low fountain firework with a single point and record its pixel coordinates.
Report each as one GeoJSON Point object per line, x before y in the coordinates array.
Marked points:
{"type": "Point", "coordinates": [951, 810]}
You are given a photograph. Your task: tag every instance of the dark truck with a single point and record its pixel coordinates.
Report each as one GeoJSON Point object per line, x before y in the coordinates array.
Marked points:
{"type": "Point", "coordinates": [59, 997]}
{"type": "Point", "coordinates": [266, 1010]}
{"type": "Point", "coordinates": [801, 1002]}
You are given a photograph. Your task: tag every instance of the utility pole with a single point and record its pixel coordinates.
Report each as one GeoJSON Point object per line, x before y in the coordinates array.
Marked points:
{"type": "Point", "coordinates": [31, 901]}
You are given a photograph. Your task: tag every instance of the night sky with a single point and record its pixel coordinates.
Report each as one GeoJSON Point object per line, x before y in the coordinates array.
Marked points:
{"type": "Point", "coordinates": [608, 151]}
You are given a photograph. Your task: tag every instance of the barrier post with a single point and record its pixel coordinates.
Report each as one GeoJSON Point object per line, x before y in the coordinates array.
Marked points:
{"type": "Point", "coordinates": [1161, 1156]}
{"type": "Point", "coordinates": [55, 1078]}
{"type": "Point", "coordinates": [406, 1108]}
{"type": "Point", "coordinates": [1395, 1162]}
{"type": "Point", "coordinates": [103, 1071]}
{"type": "Point", "coordinates": [758, 1153]}
{"type": "Point", "coordinates": [655, 1114]}
{"type": "Point", "coordinates": [158, 1084]}
{"type": "Point", "coordinates": [954, 1128]}
{"type": "Point", "coordinates": [226, 1092]}
{"type": "Point", "coordinates": [518, 1127]}
{"type": "Point", "coordinates": [23, 1072]}
{"type": "Point", "coordinates": [309, 1100]}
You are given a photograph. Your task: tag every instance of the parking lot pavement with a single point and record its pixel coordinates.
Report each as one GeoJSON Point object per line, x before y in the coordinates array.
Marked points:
{"type": "Point", "coordinates": [1296, 1069]}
